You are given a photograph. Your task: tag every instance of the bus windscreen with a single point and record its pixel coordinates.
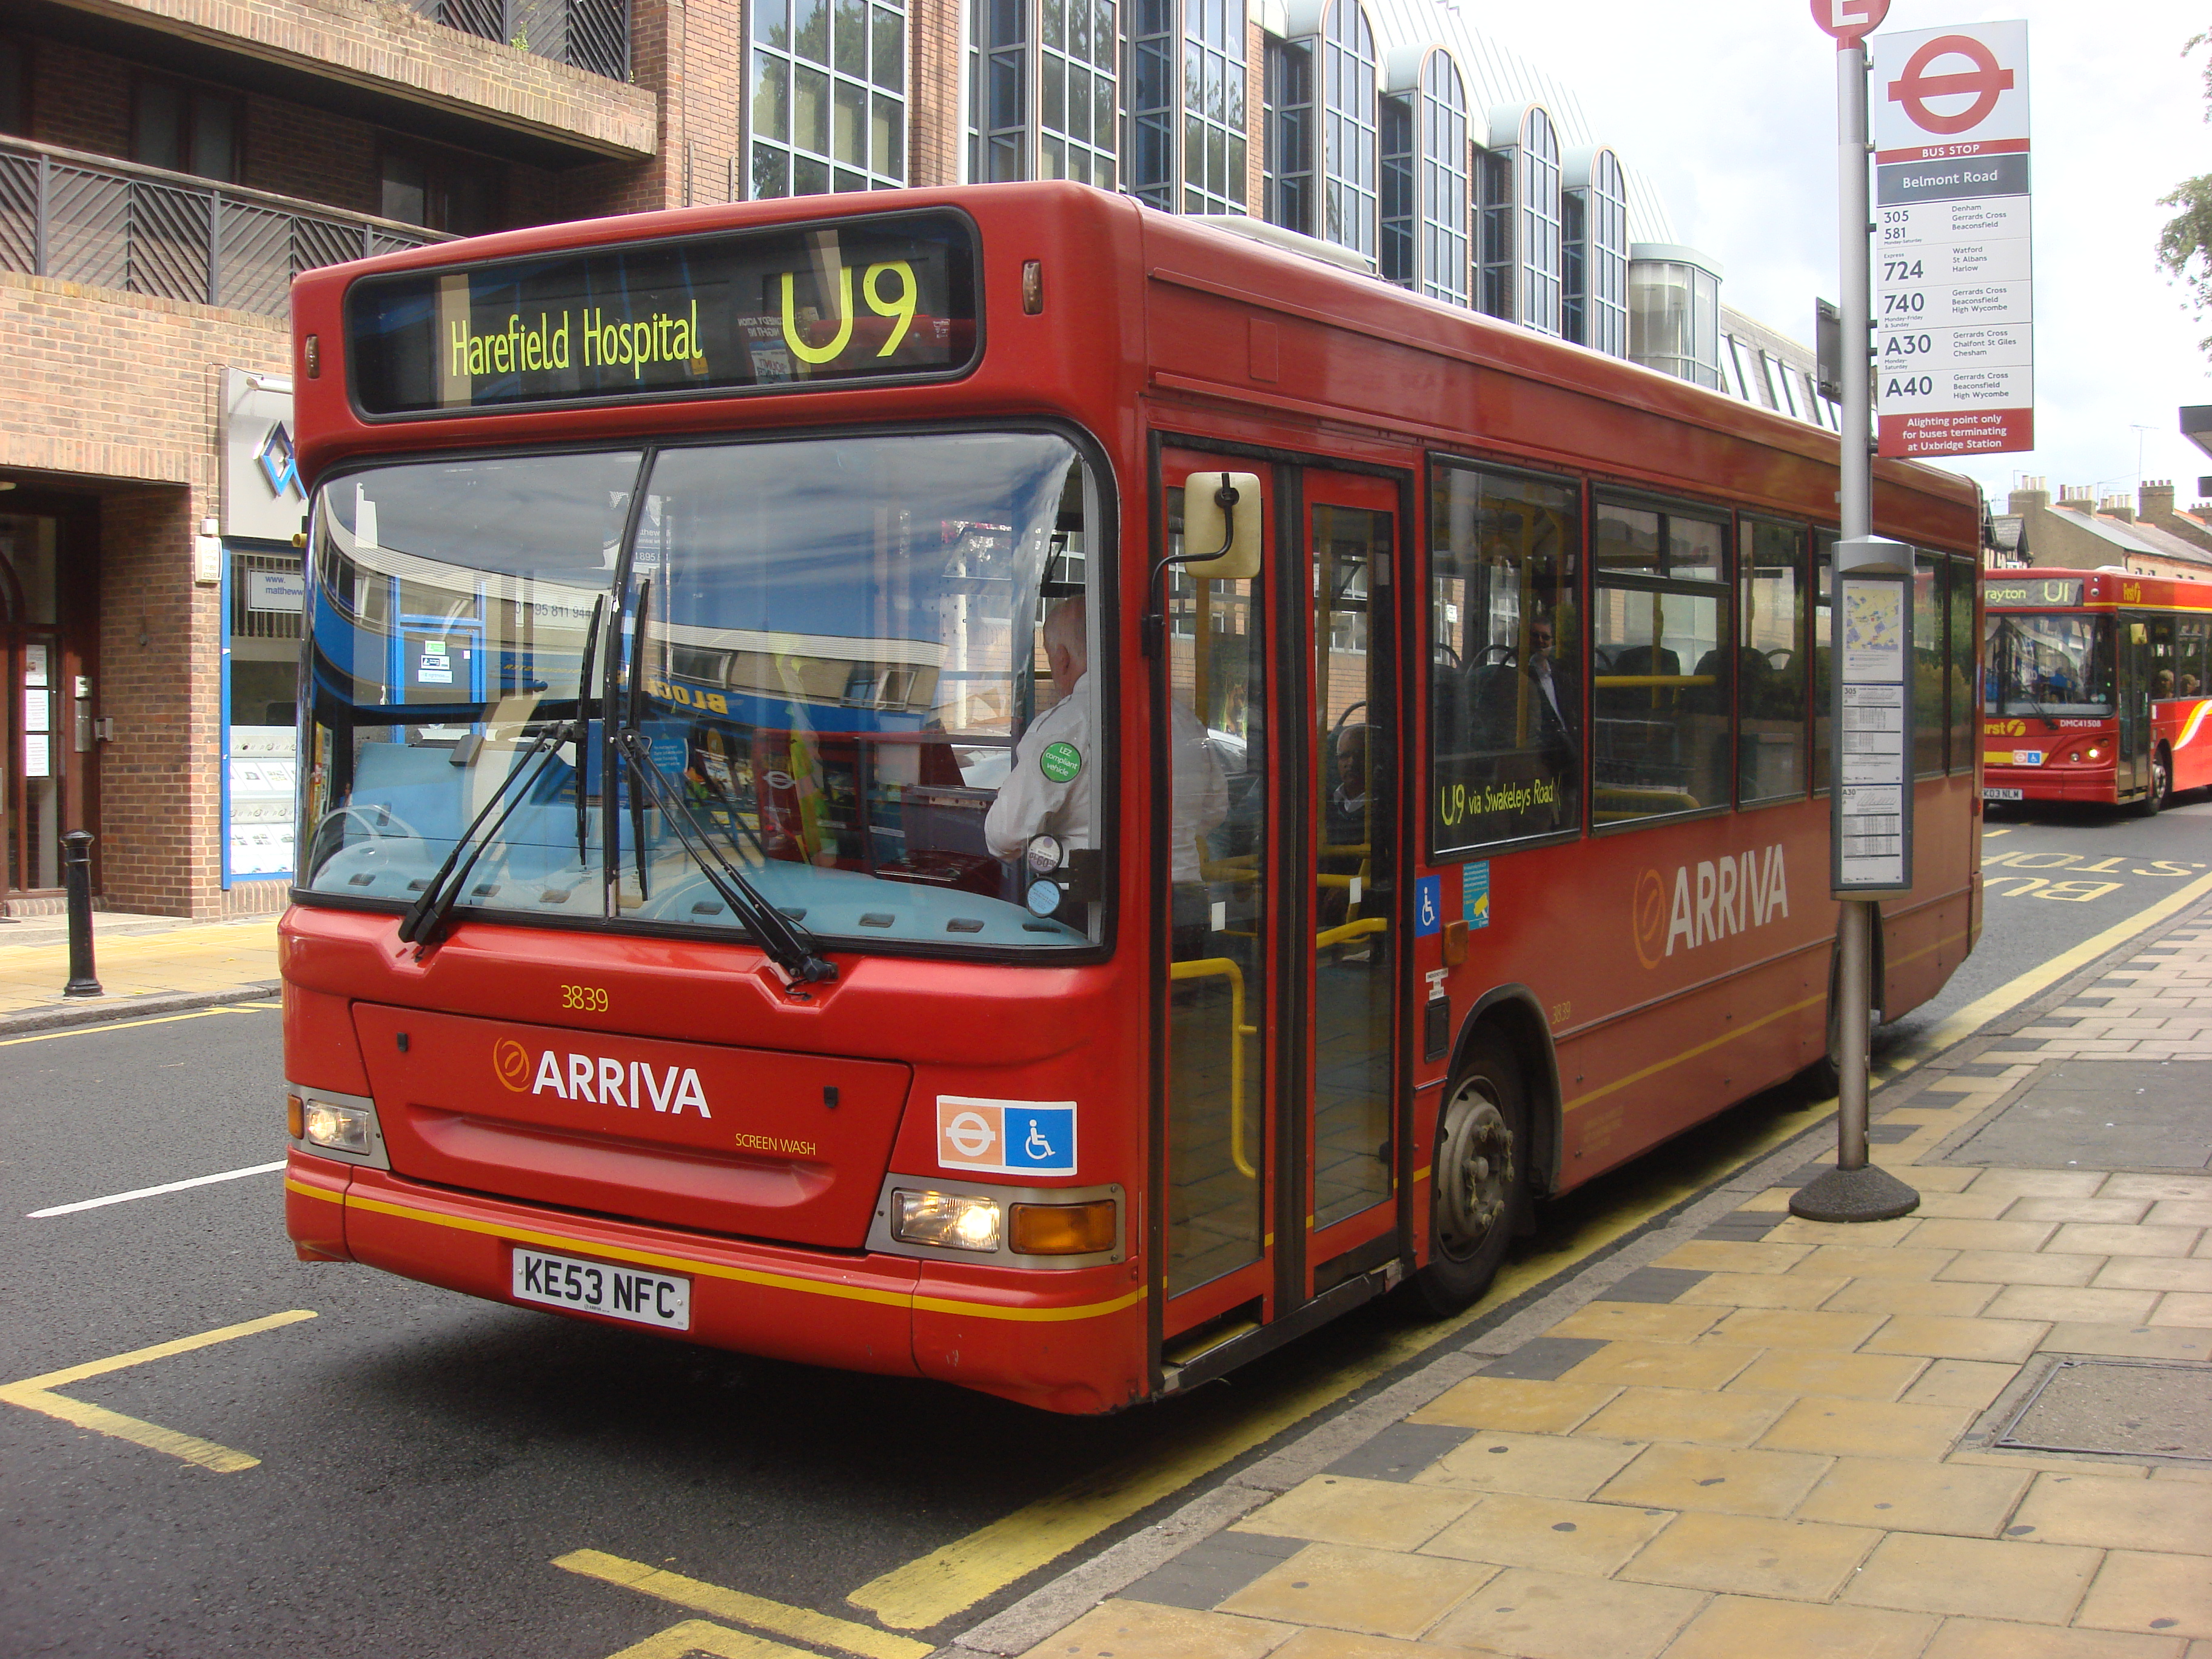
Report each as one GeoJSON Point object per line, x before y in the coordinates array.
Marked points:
{"type": "Point", "coordinates": [860, 300]}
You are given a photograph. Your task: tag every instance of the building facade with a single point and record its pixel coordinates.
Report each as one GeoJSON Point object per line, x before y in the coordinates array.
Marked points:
{"type": "Point", "coordinates": [167, 166]}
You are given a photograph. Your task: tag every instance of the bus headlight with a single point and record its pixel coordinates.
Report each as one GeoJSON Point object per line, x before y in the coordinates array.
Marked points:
{"type": "Point", "coordinates": [949, 1220]}
{"type": "Point", "coordinates": [1063, 1229]}
{"type": "Point", "coordinates": [342, 1128]}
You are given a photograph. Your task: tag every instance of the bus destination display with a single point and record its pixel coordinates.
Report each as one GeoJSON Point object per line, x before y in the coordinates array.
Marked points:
{"type": "Point", "coordinates": [765, 310]}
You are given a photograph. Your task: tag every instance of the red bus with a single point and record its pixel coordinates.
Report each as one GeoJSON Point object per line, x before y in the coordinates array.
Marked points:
{"type": "Point", "coordinates": [993, 785]}
{"type": "Point", "coordinates": [2096, 687]}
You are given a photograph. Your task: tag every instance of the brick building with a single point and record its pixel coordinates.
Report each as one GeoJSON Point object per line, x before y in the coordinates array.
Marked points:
{"type": "Point", "coordinates": [166, 166]}
{"type": "Point", "coordinates": [2081, 531]}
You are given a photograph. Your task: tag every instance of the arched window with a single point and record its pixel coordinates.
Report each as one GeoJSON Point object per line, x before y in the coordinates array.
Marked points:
{"type": "Point", "coordinates": [1443, 245]}
{"type": "Point", "coordinates": [828, 96]}
{"type": "Point", "coordinates": [1349, 147]}
{"type": "Point", "coordinates": [1594, 230]}
{"type": "Point", "coordinates": [1521, 254]}
{"type": "Point", "coordinates": [1539, 255]}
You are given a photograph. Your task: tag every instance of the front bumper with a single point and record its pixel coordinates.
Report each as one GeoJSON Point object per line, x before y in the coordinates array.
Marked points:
{"type": "Point", "coordinates": [1070, 1341]}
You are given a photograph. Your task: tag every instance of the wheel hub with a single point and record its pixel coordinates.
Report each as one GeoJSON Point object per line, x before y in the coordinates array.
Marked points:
{"type": "Point", "coordinates": [1474, 1171]}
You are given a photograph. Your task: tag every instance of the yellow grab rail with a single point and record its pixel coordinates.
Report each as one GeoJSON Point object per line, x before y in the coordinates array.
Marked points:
{"type": "Point", "coordinates": [1223, 967]}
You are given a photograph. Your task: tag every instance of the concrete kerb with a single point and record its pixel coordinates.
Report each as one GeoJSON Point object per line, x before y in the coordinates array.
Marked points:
{"type": "Point", "coordinates": [1059, 1602]}
{"type": "Point", "coordinates": [102, 1011]}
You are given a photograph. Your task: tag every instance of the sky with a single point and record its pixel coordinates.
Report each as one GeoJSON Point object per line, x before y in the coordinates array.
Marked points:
{"type": "Point", "coordinates": [1729, 106]}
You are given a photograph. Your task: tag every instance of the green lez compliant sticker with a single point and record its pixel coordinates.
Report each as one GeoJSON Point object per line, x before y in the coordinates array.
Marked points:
{"type": "Point", "coordinates": [1060, 761]}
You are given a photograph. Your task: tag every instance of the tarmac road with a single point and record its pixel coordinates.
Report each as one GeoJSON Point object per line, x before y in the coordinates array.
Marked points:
{"type": "Point", "coordinates": [424, 1459]}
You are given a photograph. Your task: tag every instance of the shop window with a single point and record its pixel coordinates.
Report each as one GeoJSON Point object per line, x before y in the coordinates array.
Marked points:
{"type": "Point", "coordinates": [1662, 668]}
{"type": "Point", "coordinates": [186, 128]}
{"type": "Point", "coordinates": [441, 191]}
{"type": "Point", "coordinates": [1771, 736]}
{"type": "Point", "coordinates": [1504, 658]}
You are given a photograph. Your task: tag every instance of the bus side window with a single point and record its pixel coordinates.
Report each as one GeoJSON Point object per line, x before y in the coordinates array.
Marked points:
{"type": "Point", "coordinates": [1506, 658]}
{"type": "Point", "coordinates": [1959, 680]}
{"type": "Point", "coordinates": [1771, 729]}
{"type": "Point", "coordinates": [2192, 634]}
{"type": "Point", "coordinates": [1665, 665]}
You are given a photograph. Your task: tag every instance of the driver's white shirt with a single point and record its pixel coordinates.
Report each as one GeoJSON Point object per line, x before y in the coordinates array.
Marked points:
{"type": "Point", "coordinates": [1031, 804]}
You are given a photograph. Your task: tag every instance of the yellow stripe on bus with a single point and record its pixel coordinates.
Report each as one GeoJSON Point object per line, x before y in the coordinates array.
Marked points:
{"type": "Point", "coordinates": [718, 1270]}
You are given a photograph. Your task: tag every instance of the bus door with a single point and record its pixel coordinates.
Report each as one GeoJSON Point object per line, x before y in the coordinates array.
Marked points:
{"type": "Point", "coordinates": [1280, 825]}
{"type": "Point", "coordinates": [2131, 692]}
{"type": "Point", "coordinates": [1222, 911]}
{"type": "Point", "coordinates": [1344, 1117]}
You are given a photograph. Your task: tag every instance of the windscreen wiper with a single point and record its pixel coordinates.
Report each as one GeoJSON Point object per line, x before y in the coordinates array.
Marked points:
{"type": "Point", "coordinates": [789, 945]}
{"type": "Point", "coordinates": [427, 916]}
{"type": "Point", "coordinates": [584, 725]}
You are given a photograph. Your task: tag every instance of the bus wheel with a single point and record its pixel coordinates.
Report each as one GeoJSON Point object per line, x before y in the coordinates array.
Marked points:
{"type": "Point", "coordinates": [1480, 1178]}
{"type": "Point", "coordinates": [2162, 783]}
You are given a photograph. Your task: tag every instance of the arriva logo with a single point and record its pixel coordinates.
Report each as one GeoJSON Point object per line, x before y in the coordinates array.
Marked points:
{"type": "Point", "coordinates": [632, 1084]}
{"type": "Point", "coordinates": [1730, 895]}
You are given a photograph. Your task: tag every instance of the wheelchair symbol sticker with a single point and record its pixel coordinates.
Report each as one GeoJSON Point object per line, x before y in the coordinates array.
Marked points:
{"type": "Point", "coordinates": [1006, 1137]}
{"type": "Point", "coordinates": [1428, 906]}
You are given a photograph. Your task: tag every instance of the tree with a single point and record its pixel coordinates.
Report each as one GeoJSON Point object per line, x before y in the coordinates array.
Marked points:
{"type": "Point", "coordinates": [2184, 245]}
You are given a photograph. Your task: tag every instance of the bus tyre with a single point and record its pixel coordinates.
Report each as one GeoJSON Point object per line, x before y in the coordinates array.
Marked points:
{"type": "Point", "coordinates": [2161, 784]}
{"type": "Point", "coordinates": [1480, 1184]}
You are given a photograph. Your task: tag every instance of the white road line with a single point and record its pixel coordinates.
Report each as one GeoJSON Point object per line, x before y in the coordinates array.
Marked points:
{"type": "Point", "coordinates": [152, 1192]}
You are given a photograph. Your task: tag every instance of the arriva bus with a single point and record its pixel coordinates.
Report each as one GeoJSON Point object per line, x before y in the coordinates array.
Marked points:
{"type": "Point", "coordinates": [993, 785]}
{"type": "Point", "coordinates": [2096, 687]}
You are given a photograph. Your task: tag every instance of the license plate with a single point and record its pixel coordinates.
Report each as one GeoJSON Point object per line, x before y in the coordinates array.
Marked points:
{"type": "Point", "coordinates": [2002, 795]}
{"type": "Point", "coordinates": [600, 1288]}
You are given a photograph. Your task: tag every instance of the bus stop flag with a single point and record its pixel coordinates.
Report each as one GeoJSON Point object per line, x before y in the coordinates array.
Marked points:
{"type": "Point", "coordinates": [1955, 357]}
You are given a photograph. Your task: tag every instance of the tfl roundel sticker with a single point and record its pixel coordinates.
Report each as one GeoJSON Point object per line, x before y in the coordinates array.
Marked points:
{"type": "Point", "coordinates": [1060, 761]}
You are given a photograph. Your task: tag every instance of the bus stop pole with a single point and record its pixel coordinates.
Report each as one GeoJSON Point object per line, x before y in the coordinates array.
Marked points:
{"type": "Point", "coordinates": [1855, 511]}
{"type": "Point", "coordinates": [1855, 1190]}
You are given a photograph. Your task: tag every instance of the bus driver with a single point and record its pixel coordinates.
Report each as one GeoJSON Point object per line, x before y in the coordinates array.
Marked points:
{"type": "Point", "coordinates": [1049, 790]}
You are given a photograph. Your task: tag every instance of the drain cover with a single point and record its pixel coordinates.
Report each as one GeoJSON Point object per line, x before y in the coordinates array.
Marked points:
{"type": "Point", "coordinates": [2118, 1407]}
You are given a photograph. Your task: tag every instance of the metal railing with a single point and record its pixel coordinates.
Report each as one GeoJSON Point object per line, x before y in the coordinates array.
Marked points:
{"type": "Point", "coordinates": [586, 34]}
{"type": "Point", "coordinates": [91, 219]}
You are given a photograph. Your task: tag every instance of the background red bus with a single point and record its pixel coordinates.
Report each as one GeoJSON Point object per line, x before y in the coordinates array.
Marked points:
{"type": "Point", "coordinates": [655, 956]}
{"type": "Point", "coordinates": [2096, 687]}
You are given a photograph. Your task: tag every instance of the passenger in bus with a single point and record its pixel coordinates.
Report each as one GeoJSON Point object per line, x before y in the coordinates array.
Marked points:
{"type": "Point", "coordinates": [1346, 817]}
{"type": "Point", "coordinates": [2161, 684]}
{"type": "Point", "coordinates": [1050, 789]}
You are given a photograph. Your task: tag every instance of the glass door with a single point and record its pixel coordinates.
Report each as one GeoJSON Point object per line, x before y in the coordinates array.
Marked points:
{"type": "Point", "coordinates": [1350, 939]}
{"type": "Point", "coordinates": [2131, 687]}
{"type": "Point", "coordinates": [38, 709]}
{"type": "Point", "coordinates": [1219, 864]}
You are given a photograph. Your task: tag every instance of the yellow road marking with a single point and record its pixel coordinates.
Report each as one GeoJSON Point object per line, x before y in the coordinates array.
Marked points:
{"type": "Point", "coordinates": [698, 1635]}
{"type": "Point", "coordinates": [125, 1025]}
{"type": "Point", "coordinates": [35, 1394]}
{"type": "Point", "coordinates": [950, 1580]}
{"type": "Point", "coordinates": [803, 1624]}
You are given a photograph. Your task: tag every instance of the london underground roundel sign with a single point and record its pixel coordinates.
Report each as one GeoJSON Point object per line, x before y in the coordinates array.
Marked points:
{"type": "Point", "coordinates": [1849, 20]}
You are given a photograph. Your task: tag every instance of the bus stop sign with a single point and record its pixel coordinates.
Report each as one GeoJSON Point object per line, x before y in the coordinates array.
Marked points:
{"type": "Point", "coordinates": [1849, 20]}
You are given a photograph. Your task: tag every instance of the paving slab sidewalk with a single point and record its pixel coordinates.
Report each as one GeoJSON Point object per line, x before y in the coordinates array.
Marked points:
{"type": "Point", "coordinates": [147, 966]}
{"type": "Point", "coordinates": [1750, 1435]}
